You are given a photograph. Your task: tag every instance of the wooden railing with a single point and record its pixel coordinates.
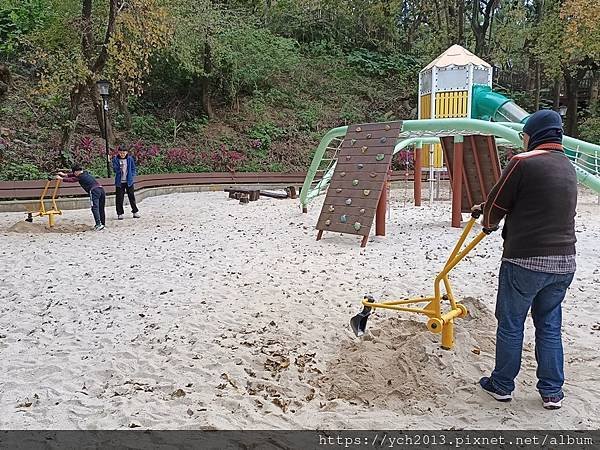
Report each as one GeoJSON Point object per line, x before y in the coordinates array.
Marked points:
{"type": "Point", "coordinates": [14, 190]}
{"type": "Point", "coordinates": [24, 190]}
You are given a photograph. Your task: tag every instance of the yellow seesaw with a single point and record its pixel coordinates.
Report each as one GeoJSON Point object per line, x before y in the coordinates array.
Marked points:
{"type": "Point", "coordinates": [42, 211]}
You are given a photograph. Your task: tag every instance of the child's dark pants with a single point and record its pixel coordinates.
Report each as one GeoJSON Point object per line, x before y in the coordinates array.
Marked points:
{"type": "Point", "coordinates": [121, 196]}
{"type": "Point", "coordinates": [98, 199]}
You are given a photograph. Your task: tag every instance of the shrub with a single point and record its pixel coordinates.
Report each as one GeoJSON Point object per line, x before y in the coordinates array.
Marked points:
{"type": "Point", "coordinates": [147, 127]}
{"type": "Point", "coordinates": [180, 157]}
{"type": "Point", "coordinates": [19, 18]}
{"type": "Point", "coordinates": [248, 58]}
{"type": "Point", "coordinates": [590, 130]}
{"type": "Point", "coordinates": [266, 133]}
{"type": "Point", "coordinates": [22, 171]}
{"type": "Point", "coordinates": [403, 160]}
{"type": "Point", "coordinates": [87, 150]}
{"type": "Point", "coordinates": [378, 64]}
{"type": "Point", "coordinates": [225, 160]}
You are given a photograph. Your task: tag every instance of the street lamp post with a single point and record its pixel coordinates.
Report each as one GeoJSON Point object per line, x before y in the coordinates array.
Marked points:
{"type": "Point", "coordinates": [103, 88]}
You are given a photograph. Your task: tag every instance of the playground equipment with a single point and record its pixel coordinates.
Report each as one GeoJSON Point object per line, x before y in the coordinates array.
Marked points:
{"type": "Point", "coordinates": [456, 86]}
{"type": "Point", "coordinates": [360, 181]}
{"type": "Point", "coordinates": [42, 211]}
{"type": "Point", "coordinates": [439, 322]}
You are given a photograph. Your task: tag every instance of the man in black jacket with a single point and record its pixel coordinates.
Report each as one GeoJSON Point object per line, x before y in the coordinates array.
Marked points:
{"type": "Point", "coordinates": [537, 196]}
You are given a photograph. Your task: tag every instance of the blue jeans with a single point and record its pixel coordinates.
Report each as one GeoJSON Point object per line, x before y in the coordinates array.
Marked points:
{"type": "Point", "coordinates": [518, 290]}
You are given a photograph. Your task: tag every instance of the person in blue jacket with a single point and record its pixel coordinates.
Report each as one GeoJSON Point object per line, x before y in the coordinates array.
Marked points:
{"type": "Point", "coordinates": [125, 172]}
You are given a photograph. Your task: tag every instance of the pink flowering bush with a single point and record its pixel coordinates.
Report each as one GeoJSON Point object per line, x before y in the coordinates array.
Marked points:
{"type": "Point", "coordinates": [404, 160]}
{"type": "Point", "coordinates": [86, 151]}
{"type": "Point", "coordinates": [181, 157]}
{"type": "Point", "coordinates": [225, 160]}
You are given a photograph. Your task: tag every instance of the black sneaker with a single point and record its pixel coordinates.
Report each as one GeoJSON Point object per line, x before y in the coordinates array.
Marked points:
{"type": "Point", "coordinates": [487, 385]}
{"type": "Point", "coordinates": [553, 401]}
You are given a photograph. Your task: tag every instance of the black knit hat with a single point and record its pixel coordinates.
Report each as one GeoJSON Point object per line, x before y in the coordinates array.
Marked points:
{"type": "Point", "coordinates": [542, 127]}
{"type": "Point", "coordinates": [76, 168]}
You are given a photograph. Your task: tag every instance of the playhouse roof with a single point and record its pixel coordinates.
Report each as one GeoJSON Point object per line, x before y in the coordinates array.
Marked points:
{"type": "Point", "coordinates": [458, 56]}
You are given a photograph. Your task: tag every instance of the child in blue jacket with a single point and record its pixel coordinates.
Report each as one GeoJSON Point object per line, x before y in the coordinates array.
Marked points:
{"type": "Point", "coordinates": [124, 168]}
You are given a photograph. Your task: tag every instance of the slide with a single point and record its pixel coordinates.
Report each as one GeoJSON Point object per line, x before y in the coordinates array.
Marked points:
{"type": "Point", "coordinates": [490, 105]}
{"type": "Point", "coordinates": [494, 114]}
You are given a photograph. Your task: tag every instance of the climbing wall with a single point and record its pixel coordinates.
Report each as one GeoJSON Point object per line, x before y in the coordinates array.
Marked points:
{"type": "Point", "coordinates": [359, 179]}
{"type": "Point", "coordinates": [481, 167]}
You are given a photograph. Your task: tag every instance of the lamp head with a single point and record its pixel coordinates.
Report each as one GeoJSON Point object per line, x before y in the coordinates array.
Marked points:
{"type": "Point", "coordinates": [103, 87]}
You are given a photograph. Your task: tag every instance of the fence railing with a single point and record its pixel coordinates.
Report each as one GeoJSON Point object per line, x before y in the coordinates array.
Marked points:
{"type": "Point", "coordinates": [22, 190]}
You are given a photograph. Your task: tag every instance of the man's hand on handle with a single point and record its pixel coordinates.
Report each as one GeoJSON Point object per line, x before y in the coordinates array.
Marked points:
{"type": "Point", "coordinates": [476, 212]}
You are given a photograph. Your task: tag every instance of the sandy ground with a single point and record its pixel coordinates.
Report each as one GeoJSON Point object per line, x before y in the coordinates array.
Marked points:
{"type": "Point", "coordinates": [206, 313]}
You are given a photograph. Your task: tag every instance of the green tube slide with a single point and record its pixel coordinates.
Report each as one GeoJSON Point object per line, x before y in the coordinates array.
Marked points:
{"type": "Point", "coordinates": [493, 114]}
{"type": "Point", "coordinates": [490, 105]}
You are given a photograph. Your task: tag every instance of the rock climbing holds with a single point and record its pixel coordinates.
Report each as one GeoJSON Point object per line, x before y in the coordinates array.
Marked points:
{"type": "Point", "coordinates": [358, 129]}
{"type": "Point", "coordinates": [327, 222]}
{"type": "Point", "coordinates": [348, 157]}
{"type": "Point", "coordinates": [343, 218]}
{"type": "Point", "coordinates": [348, 201]}
{"type": "Point", "coordinates": [383, 139]}
{"type": "Point", "coordinates": [362, 210]}
{"type": "Point", "coordinates": [364, 149]}
{"type": "Point", "coordinates": [343, 174]}
{"type": "Point", "coordinates": [369, 136]}
{"type": "Point", "coordinates": [360, 166]}
{"type": "Point", "coordinates": [331, 208]}
{"type": "Point", "coordinates": [357, 226]}
{"type": "Point", "coordinates": [338, 190]}
{"type": "Point", "coordinates": [367, 192]}
{"type": "Point", "coordinates": [379, 156]}
{"type": "Point", "coordinates": [353, 141]}
{"type": "Point", "coordinates": [387, 127]}
{"type": "Point", "coordinates": [354, 182]}
{"type": "Point", "coordinates": [373, 175]}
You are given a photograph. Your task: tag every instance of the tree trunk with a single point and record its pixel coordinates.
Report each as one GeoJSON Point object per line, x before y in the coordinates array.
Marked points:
{"type": "Point", "coordinates": [556, 93]}
{"type": "Point", "coordinates": [448, 25]}
{"type": "Point", "coordinates": [571, 85]}
{"type": "Point", "coordinates": [461, 22]}
{"type": "Point", "coordinates": [70, 125]}
{"type": "Point", "coordinates": [594, 106]}
{"type": "Point", "coordinates": [538, 87]}
{"type": "Point", "coordinates": [205, 82]}
{"type": "Point", "coordinates": [123, 104]}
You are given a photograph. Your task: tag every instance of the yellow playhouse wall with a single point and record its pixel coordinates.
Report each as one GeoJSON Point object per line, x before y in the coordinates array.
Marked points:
{"type": "Point", "coordinates": [448, 105]}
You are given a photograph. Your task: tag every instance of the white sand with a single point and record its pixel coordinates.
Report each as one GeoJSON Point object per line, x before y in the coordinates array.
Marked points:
{"type": "Point", "coordinates": [210, 314]}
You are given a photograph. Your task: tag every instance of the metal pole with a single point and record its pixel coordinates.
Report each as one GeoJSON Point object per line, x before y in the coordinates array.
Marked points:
{"type": "Point", "coordinates": [431, 149]}
{"type": "Point", "coordinates": [417, 175]}
{"type": "Point", "coordinates": [104, 114]}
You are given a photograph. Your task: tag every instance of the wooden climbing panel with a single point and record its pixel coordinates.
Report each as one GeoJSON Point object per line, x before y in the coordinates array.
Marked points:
{"type": "Point", "coordinates": [481, 167]}
{"type": "Point", "coordinates": [359, 179]}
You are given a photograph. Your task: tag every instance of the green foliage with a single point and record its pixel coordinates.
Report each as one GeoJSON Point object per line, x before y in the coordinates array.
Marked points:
{"type": "Point", "coordinates": [196, 125]}
{"type": "Point", "coordinates": [21, 171]}
{"type": "Point", "coordinates": [377, 64]}
{"type": "Point", "coordinates": [97, 168]}
{"type": "Point", "coordinates": [247, 59]}
{"type": "Point", "coordinates": [590, 130]}
{"type": "Point", "coordinates": [148, 127]}
{"type": "Point", "coordinates": [153, 166]}
{"type": "Point", "coordinates": [18, 18]}
{"type": "Point", "coordinates": [266, 133]}
{"type": "Point", "coordinates": [309, 117]}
